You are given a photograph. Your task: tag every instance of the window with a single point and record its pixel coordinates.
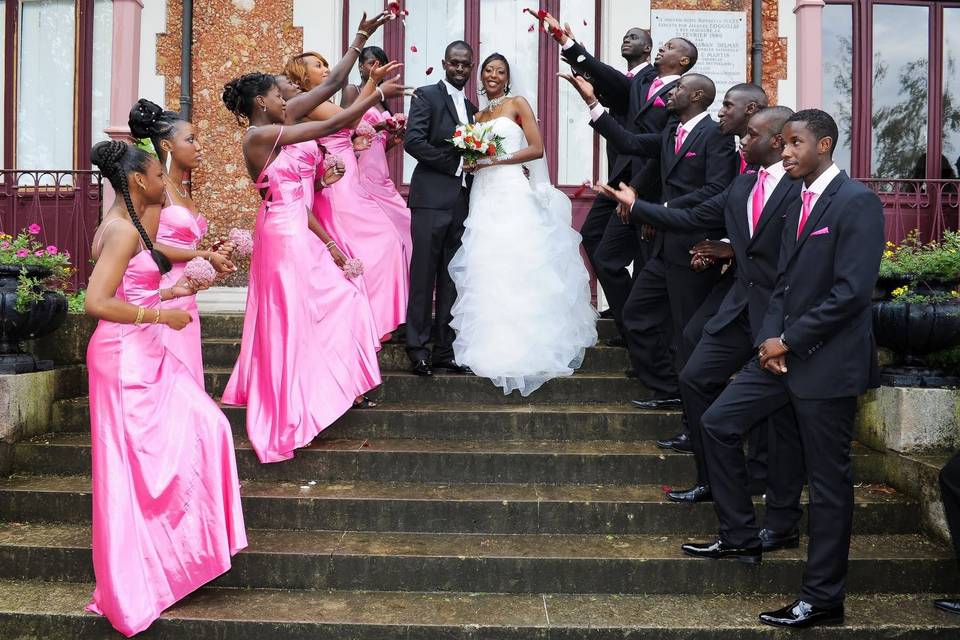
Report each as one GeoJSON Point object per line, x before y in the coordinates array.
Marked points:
{"type": "Point", "coordinates": [102, 68]}
{"type": "Point", "coordinates": [950, 167]}
{"type": "Point", "coordinates": [837, 55]}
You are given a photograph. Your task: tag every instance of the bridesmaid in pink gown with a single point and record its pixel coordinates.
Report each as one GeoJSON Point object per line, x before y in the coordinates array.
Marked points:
{"type": "Point", "coordinates": [372, 160]}
{"type": "Point", "coordinates": [350, 214]}
{"type": "Point", "coordinates": [176, 228]}
{"type": "Point", "coordinates": [309, 346]}
{"type": "Point", "coordinates": [166, 499]}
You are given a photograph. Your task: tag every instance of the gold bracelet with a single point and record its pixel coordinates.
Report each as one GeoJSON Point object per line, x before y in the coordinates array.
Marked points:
{"type": "Point", "coordinates": [139, 315]}
{"type": "Point", "coordinates": [357, 49]}
{"type": "Point", "coordinates": [361, 32]}
{"type": "Point", "coordinates": [157, 319]}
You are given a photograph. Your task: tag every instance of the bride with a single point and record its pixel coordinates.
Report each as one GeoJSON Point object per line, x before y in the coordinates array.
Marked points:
{"type": "Point", "coordinates": [523, 312]}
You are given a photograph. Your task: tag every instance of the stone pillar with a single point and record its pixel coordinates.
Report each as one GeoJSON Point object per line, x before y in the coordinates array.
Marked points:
{"type": "Point", "coordinates": [809, 54]}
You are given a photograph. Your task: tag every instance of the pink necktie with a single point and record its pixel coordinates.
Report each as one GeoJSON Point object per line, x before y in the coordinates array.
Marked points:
{"type": "Point", "coordinates": [807, 197]}
{"type": "Point", "coordinates": [743, 163]}
{"type": "Point", "coordinates": [681, 134]}
{"type": "Point", "coordinates": [757, 199]}
{"type": "Point", "coordinates": [630, 74]}
{"type": "Point", "coordinates": [654, 87]}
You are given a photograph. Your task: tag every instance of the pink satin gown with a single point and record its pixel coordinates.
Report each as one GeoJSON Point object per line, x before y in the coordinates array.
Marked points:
{"type": "Point", "coordinates": [375, 178]}
{"type": "Point", "coordinates": [180, 228]}
{"type": "Point", "coordinates": [166, 499]}
{"type": "Point", "coordinates": [363, 230]}
{"type": "Point", "coordinates": [309, 345]}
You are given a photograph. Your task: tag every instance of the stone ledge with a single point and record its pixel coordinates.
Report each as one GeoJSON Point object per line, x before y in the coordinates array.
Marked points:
{"type": "Point", "coordinates": [909, 419]}
{"type": "Point", "coordinates": [222, 300]}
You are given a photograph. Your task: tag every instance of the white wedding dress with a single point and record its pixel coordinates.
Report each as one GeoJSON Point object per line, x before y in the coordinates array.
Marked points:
{"type": "Point", "coordinates": [523, 313]}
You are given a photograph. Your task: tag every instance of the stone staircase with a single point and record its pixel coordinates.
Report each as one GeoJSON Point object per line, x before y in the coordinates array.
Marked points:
{"type": "Point", "coordinates": [451, 512]}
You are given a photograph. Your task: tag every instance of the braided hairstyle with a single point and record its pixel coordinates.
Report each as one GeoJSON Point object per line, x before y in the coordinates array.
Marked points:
{"type": "Point", "coordinates": [117, 160]}
{"type": "Point", "coordinates": [239, 94]}
{"type": "Point", "coordinates": [150, 120]}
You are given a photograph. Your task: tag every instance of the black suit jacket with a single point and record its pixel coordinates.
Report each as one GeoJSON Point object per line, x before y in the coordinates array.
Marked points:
{"type": "Point", "coordinates": [822, 300]}
{"type": "Point", "coordinates": [705, 166]}
{"type": "Point", "coordinates": [430, 124]}
{"type": "Point", "coordinates": [757, 256]}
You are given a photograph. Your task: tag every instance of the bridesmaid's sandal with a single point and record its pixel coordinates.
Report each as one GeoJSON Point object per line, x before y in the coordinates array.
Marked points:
{"type": "Point", "coordinates": [363, 402]}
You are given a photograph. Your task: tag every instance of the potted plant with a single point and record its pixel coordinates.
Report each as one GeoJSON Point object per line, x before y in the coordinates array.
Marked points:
{"type": "Point", "coordinates": [917, 307]}
{"type": "Point", "coordinates": [32, 302]}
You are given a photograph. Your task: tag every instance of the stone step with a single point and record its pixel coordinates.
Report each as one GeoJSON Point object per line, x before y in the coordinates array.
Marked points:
{"type": "Point", "coordinates": [230, 326]}
{"type": "Point", "coordinates": [223, 352]}
{"type": "Point", "coordinates": [586, 388]}
{"type": "Point", "coordinates": [458, 421]}
{"type": "Point", "coordinates": [54, 611]}
{"type": "Point", "coordinates": [425, 508]}
{"type": "Point", "coordinates": [542, 563]}
{"type": "Point", "coordinates": [456, 461]}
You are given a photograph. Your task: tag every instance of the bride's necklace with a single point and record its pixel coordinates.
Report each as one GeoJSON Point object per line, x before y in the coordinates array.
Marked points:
{"type": "Point", "coordinates": [496, 102]}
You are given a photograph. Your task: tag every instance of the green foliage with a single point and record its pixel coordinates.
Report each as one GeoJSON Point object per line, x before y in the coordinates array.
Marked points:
{"type": "Point", "coordinates": [75, 301]}
{"type": "Point", "coordinates": [25, 250]}
{"type": "Point", "coordinates": [947, 360]}
{"type": "Point", "coordinates": [935, 262]}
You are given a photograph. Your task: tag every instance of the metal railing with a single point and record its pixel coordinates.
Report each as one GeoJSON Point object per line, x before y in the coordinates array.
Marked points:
{"type": "Point", "coordinates": [931, 206]}
{"type": "Point", "coordinates": [65, 204]}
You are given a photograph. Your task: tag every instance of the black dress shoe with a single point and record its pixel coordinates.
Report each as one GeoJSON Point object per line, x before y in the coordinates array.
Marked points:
{"type": "Point", "coordinates": [422, 368]}
{"type": "Point", "coordinates": [658, 403]}
{"type": "Point", "coordinates": [452, 367]}
{"type": "Point", "coordinates": [800, 614]}
{"type": "Point", "coordinates": [772, 541]}
{"type": "Point", "coordinates": [950, 606]}
{"type": "Point", "coordinates": [679, 443]}
{"type": "Point", "coordinates": [700, 493]}
{"type": "Point", "coordinates": [720, 550]}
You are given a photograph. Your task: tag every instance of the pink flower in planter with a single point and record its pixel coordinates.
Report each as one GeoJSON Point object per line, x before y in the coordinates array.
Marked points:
{"type": "Point", "coordinates": [52, 249]}
{"type": "Point", "coordinates": [34, 229]}
{"type": "Point", "coordinates": [23, 253]}
{"type": "Point", "coordinates": [39, 253]}
{"type": "Point", "coordinates": [4, 245]}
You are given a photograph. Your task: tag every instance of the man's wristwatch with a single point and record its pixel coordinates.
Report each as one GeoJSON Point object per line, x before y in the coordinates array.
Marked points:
{"type": "Point", "coordinates": [783, 343]}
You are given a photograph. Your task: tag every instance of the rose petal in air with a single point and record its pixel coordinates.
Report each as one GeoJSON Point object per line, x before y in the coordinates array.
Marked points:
{"type": "Point", "coordinates": [531, 29]}
{"type": "Point", "coordinates": [429, 70]}
{"type": "Point", "coordinates": [413, 48]}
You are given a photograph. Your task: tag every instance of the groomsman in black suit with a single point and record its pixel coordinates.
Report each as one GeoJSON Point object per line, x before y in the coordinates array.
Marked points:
{"type": "Point", "coordinates": [438, 201]}
{"type": "Point", "coordinates": [695, 161]}
{"type": "Point", "coordinates": [752, 209]}
{"type": "Point", "coordinates": [950, 493]}
{"type": "Point", "coordinates": [816, 355]}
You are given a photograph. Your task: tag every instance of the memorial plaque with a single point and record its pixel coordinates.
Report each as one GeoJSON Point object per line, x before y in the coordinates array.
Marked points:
{"type": "Point", "coordinates": [721, 39]}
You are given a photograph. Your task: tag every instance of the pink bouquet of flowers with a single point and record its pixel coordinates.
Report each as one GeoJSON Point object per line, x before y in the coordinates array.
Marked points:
{"type": "Point", "coordinates": [353, 268]}
{"type": "Point", "coordinates": [242, 242]}
{"type": "Point", "coordinates": [365, 130]}
{"type": "Point", "coordinates": [330, 161]}
{"type": "Point", "coordinates": [200, 272]}
{"type": "Point", "coordinates": [396, 123]}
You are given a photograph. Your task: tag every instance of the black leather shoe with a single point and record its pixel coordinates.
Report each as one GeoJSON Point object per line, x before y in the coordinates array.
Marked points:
{"type": "Point", "coordinates": [773, 541]}
{"type": "Point", "coordinates": [800, 614]}
{"type": "Point", "coordinates": [720, 550]}
{"type": "Point", "coordinates": [422, 368]}
{"type": "Point", "coordinates": [950, 606]}
{"type": "Point", "coordinates": [452, 367]}
{"type": "Point", "coordinates": [700, 493]}
{"type": "Point", "coordinates": [679, 443]}
{"type": "Point", "coordinates": [658, 403]}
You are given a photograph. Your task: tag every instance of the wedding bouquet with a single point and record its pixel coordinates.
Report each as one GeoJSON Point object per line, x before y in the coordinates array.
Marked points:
{"type": "Point", "coordinates": [200, 272]}
{"type": "Point", "coordinates": [330, 161]}
{"type": "Point", "coordinates": [475, 142]}
{"type": "Point", "coordinates": [365, 130]}
{"type": "Point", "coordinates": [353, 268]}
{"type": "Point", "coordinates": [242, 242]}
{"type": "Point", "coordinates": [396, 123]}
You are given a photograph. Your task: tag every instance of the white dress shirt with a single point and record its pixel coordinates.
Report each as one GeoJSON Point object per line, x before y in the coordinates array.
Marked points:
{"type": "Point", "coordinates": [820, 184]}
{"type": "Point", "coordinates": [774, 173]}
{"type": "Point", "coordinates": [637, 69]}
{"type": "Point", "coordinates": [460, 103]}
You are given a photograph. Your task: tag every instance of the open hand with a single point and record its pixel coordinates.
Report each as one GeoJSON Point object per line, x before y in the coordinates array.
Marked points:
{"type": "Point", "coordinates": [393, 89]}
{"type": "Point", "coordinates": [381, 71]}
{"type": "Point", "coordinates": [374, 23]}
{"type": "Point", "coordinates": [583, 87]}
{"type": "Point", "coordinates": [624, 194]}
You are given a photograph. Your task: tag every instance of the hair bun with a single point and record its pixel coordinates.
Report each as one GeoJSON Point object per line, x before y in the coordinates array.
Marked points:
{"type": "Point", "coordinates": [144, 117]}
{"type": "Point", "coordinates": [106, 156]}
{"type": "Point", "coordinates": [231, 95]}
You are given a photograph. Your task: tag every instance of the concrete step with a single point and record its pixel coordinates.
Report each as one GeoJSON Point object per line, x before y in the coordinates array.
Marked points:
{"type": "Point", "coordinates": [54, 611]}
{"type": "Point", "coordinates": [457, 461]}
{"type": "Point", "coordinates": [230, 326]}
{"type": "Point", "coordinates": [492, 563]}
{"type": "Point", "coordinates": [458, 421]}
{"type": "Point", "coordinates": [425, 508]}
{"type": "Point", "coordinates": [585, 388]}
{"type": "Point", "coordinates": [223, 352]}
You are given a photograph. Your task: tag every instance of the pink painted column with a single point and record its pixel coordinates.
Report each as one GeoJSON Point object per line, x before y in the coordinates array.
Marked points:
{"type": "Point", "coordinates": [124, 74]}
{"type": "Point", "coordinates": [809, 54]}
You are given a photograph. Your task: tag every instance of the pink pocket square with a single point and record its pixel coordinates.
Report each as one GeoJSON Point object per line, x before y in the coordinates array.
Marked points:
{"type": "Point", "coordinates": [821, 232]}
{"type": "Point", "coordinates": [690, 154]}
{"type": "Point", "coordinates": [659, 102]}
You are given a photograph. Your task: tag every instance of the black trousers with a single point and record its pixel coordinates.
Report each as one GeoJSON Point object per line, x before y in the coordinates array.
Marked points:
{"type": "Point", "coordinates": [619, 247]}
{"type": "Point", "coordinates": [662, 301]}
{"type": "Point", "coordinates": [436, 237]}
{"type": "Point", "coordinates": [950, 493]}
{"type": "Point", "coordinates": [706, 374]}
{"type": "Point", "coordinates": [595, 225]}
{"type": "Point", "coordinates": [825, 433]}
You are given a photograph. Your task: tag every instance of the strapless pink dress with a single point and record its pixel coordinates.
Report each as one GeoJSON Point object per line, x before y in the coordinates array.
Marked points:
{"type": "Point", "coordinates": [166, 499]}
{"type": "Point", "coordinates": [180, 228]}
{"type": "Point", "coordinates": [375, 178]}
{"type": "Point", "coordinates": [363, 230]}
{"type": "Point", "coordinates": [309, 345]}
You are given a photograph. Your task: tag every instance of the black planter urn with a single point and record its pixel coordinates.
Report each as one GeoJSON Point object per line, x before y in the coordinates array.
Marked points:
{"type": "Point", "coordinates": [42, 317]}
{"type": "Point", "coordinates": [913, 330]}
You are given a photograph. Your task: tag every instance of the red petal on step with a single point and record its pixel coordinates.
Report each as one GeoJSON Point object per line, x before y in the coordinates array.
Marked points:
{"type": "Point", "coordinates": [429, 70]}
{"type": "Point", "coordinates": [366, 443]}
{"type": "Point", "coordinates": [413, 48]}
{"type": "Point", "coordinates": [665, 489]}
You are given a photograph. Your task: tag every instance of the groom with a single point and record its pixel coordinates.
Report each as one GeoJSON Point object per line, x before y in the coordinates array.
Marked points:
{"type": "Point", "coordinates": [438, 203]}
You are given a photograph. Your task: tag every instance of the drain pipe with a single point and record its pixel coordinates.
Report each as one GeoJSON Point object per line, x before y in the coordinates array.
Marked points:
{"type": "Point", "coordinates": [756, 31]}
{"type": "Point", "coordinates": [186, 60]}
